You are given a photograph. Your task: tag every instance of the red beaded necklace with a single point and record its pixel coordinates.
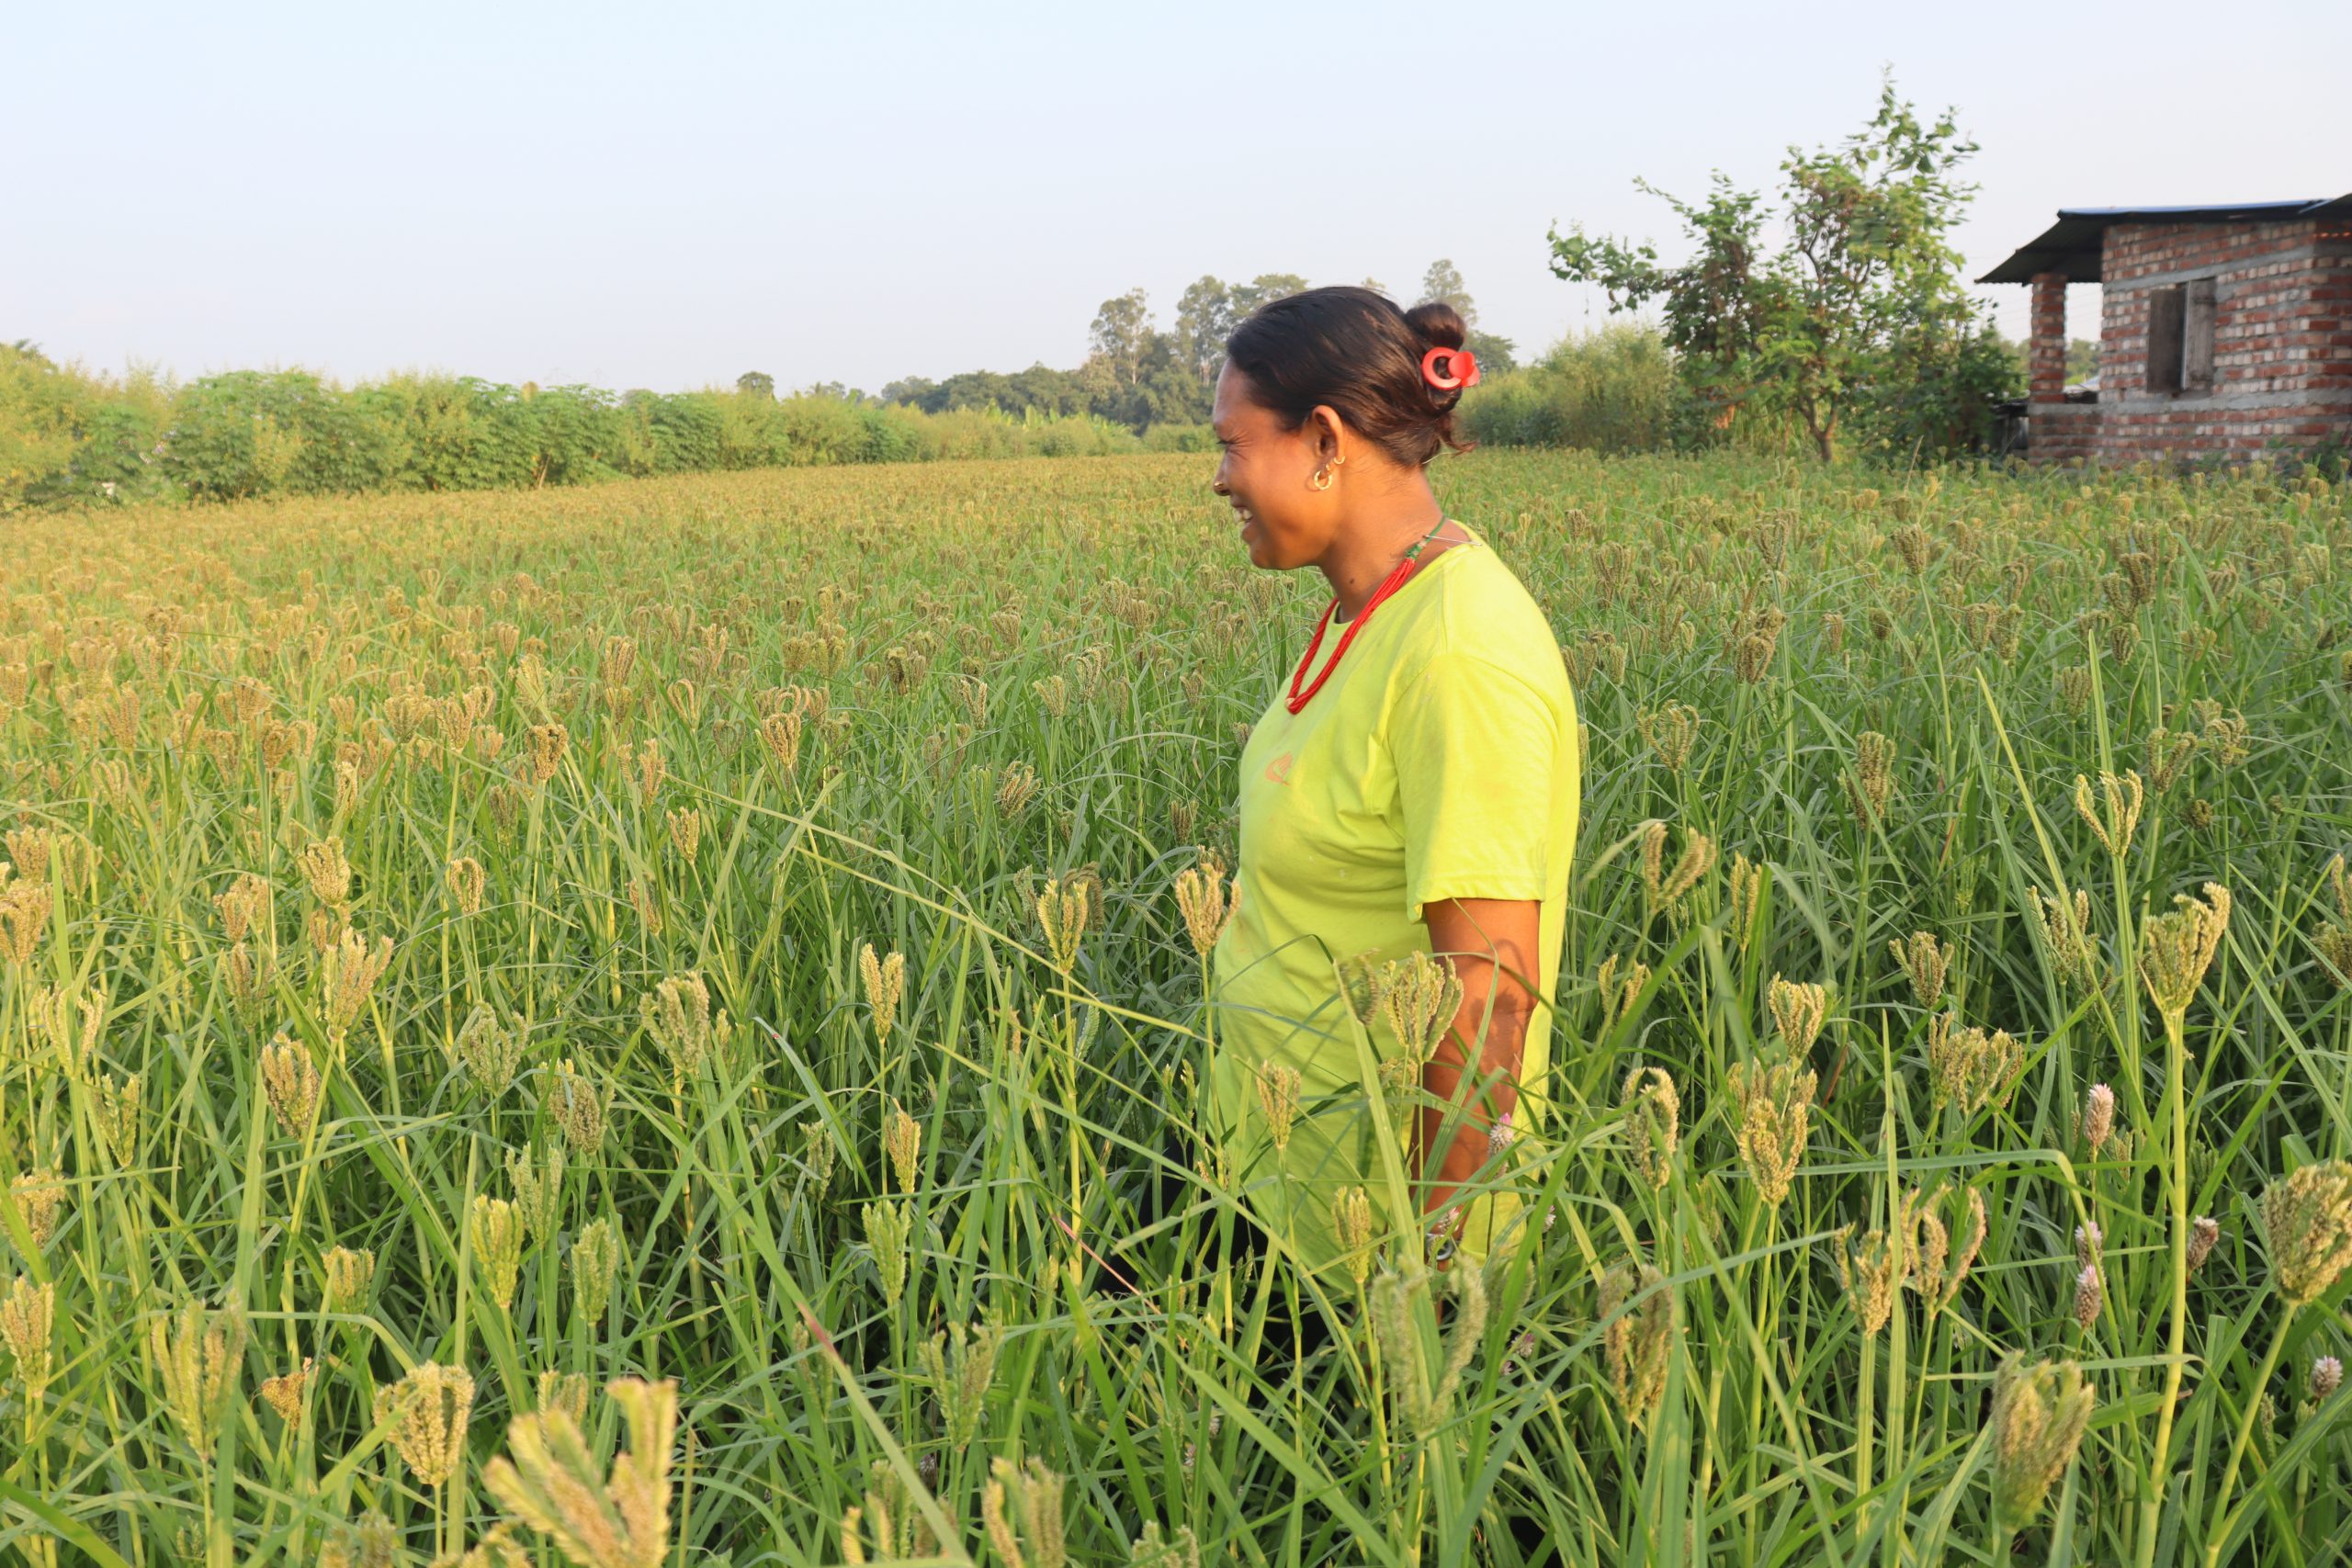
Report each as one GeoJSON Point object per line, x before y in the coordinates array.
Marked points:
{"type": "Point", "coordinates": [1297, 699]}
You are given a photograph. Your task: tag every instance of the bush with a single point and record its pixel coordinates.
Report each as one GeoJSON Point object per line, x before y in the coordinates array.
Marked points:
{"type": "Point", "coordinates": [1934, 397]}
{"type": "Point", "coordinates": [255, 433]}
{"type": "Point", "coordinates": [68, 437]}
{"type": "Point", "coordinates": [974, 433]}
{"type": "Point", "coordinates": [818, 430]}
{"type": "Point", "coordinates": [1611, 390]}
{"type": "Point", "coordinates": [891, 435]}
{"type": "Point", "coordinates": [1179, 438]}
{"type": "Point", "coordinates": [576, 434]}
{"type": "Point", "coordinates": [440, 433]}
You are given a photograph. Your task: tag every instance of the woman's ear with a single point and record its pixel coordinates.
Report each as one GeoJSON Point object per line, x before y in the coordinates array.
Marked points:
{"type": "Point", "coordinates": [1323, 432]}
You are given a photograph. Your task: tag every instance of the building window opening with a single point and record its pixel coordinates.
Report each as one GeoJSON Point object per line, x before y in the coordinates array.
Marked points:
{"type": "Point", "coordinates": [2180, 337]}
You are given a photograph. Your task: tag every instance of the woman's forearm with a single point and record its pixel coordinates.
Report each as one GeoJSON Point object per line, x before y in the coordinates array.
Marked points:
{"type": "Point", "coordinates": [1445, 1079]}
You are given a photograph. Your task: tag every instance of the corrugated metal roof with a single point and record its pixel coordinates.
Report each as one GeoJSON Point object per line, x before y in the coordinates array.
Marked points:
{"type": "Point", "coordinates": [2073, 244]}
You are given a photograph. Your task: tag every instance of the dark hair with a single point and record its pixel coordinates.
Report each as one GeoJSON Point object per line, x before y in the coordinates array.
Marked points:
{"type": "Point", "coordinates": [1355, 351]}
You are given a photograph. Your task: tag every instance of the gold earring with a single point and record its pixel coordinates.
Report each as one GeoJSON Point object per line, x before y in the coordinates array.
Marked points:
{"type": "Point", "coordinates": [1322, 479]}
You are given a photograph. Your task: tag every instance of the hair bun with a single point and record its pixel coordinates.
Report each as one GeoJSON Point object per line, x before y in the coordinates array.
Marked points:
{"type": "Point", "coordinates": [1438, 324]}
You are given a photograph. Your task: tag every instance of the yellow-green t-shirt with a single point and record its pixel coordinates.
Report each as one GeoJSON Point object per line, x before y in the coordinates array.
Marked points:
{"type": "Point", "coordinates": [1439, 761]}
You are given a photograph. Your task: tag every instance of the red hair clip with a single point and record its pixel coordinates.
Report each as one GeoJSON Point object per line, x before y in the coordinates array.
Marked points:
{"type": "Point", "coordinates": [1461, 368]}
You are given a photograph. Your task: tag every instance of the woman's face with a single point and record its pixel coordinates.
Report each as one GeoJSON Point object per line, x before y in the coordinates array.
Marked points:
{"type": "Point", "coordinates": [1267, 473]}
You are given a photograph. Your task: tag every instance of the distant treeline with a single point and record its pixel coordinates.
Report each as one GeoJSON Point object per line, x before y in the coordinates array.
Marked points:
{"type": "Point", "coordinates": [1139, 376]}
{"type": "Point", "coordinates": [69, 437]}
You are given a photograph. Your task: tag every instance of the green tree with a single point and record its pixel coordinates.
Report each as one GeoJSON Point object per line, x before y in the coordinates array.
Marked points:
{"type": "Point", "coordinates": [1120, 326]}
{"type": "Point", "coordinates": [978, 390]}
{"type": "Point", "coordinates": [1865, 279]}
{"type": "Point", "coordinates": [1444, 281]}
{"type": "Point", "coordinates": [1204, 320]}
{"type": "Point", "coordinates": [920, 391]}
{"type": "Point", "coordinates": [1170, 390]}
{"type": "Point", "coordinates": [1049, 391]}
{"type": "Point", "coordinates": [1263, 289]}
{"type": "Point", "coordinates": [1492, 351]}
{"type": "Point", "coordinates": [756, 384]}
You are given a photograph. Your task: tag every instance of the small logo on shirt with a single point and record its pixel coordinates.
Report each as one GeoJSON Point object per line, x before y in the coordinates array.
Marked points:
{"type": "Point", "coordinates": [1279, 769]}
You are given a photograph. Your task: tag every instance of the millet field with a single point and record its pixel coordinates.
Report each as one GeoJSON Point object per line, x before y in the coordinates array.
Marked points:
{"type": "Point", "coordinates": [632, 1025]}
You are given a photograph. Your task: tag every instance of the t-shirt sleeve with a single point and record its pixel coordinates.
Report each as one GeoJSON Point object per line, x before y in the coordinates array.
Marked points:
{"type": "Point", "coordinates": [1475, 746]}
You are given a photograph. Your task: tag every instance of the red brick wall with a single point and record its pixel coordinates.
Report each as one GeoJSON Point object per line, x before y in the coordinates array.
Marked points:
{"type": "Point", "coordinates": [2064, 431]}
{"type": "Point", "coordinates": [2283, 344]}
{"type": "Point", "coordinates": [2046, 353]}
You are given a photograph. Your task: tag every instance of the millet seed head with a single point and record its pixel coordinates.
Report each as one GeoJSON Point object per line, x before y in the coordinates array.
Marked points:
{"type": "Point", "coordinates": [1418, 995]}
{"type": "Point", "coordinates": [39, 1198]}
{"type": "Point", "coordinates": [576, 1106]}
{"type": "Point", "coordinates": [1653, 1122]}
{"type": "Point", "coordinates": [469, 885]}
{"type": "Point", "coordinates": [595, 1263]}
{"type": "Point", "coordinates": [28, 1319]}
{"type": "Point", "coordinates": [1925, 963]}
{"type": "Point", "coordinates": [2090, 1294]}
{"type": "Point", "coordinates": [283, 1392]}
{"type": "Point", "coordinates": [1869, 1272]}
{"type": "Point", "coordinates": [676, 1013]}
{"type": "Point", "coordinates": [1201, 897]}
{"type": "Point", "coordinates": [2040, 1414]}
{"type": "Point", "coordinates": [1062, 909]}
{"type": "Point", "coordinates": [1772, 1107]}
{"type": "Point", "coordinates": [2176, 949]}
{"type": "Point", "coordinates": [1872, 782]}
{"type": "Point", "coordinates": [349, 1273]}
{"type": "Point", "coordinates": [2204, 1232]}
{"type": "Point", "coordinates": [1797, 1012]}
{"type": "Point", "coordinates": [1939, 1264]}
{"type": "Point", "coordinates": [885, 981]}
{"type": "Point", "coordinates": [2067, 926]}
{"type": "Point", "coordinates": [198, 1355]}
{"type": "Point", "coordinates": [1352, 1221]}
{"type": "Point", "coordinates": [326, 871]}
{"type": "Point", "coordinates": [1747, 879]}
{"type": "Point", "coordinates": [887, 1228]}
{"type": "Point", "coordinates": [2098, 1116]}
{"type": "Point", "coordinates": [497, 1238]}
{"type": "Point", "coordinates": [291, 1080]}
{"type": "Point", "coordinates": [548, 1479]}
{"type": "Point", "coordinates": [2115, 815]}
{"type": "Point", "coordinates": [429, 1409]}
{"type": "Point", "coordinates": [2307, 1221]}
{"type": "Point", "coordinates": [1278, 1084]}
{"type": "Point", "coordinates": [902, 1141]}
{"type": "Point", "coordinates": [1638, 1345]}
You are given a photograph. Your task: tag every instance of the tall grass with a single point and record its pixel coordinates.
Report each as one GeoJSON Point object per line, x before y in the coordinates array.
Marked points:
{"type": "Point", "coordinates": [435, 985]}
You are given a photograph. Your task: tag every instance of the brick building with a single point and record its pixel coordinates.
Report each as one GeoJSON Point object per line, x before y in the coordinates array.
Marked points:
{"type": "Point", "coordinates": [2223, 330]}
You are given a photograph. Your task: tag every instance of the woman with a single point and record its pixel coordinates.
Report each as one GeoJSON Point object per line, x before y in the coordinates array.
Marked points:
{"type": "Point", "coordinates": [1412, 787]}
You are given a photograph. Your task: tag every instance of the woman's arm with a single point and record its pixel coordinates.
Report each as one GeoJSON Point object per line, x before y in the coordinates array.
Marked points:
{"type": "Point", "coordinates": [1492, 942]}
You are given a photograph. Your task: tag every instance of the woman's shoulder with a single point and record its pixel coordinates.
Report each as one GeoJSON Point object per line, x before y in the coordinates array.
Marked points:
{"type": "Point", "coordinates": [1485, 611]}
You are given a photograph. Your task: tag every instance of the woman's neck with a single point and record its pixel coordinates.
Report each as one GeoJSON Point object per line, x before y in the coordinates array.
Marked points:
{"type": "Point", "coordinates": [1369, 548]}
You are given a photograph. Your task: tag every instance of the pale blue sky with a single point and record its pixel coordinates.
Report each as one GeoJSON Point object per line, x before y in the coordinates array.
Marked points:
{"type": "Point", "coordinates": [667, 195]}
